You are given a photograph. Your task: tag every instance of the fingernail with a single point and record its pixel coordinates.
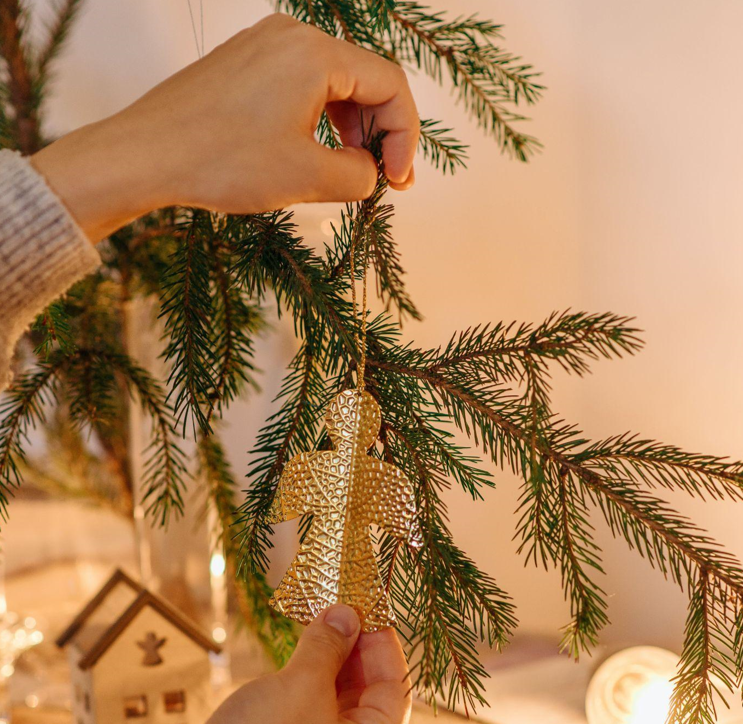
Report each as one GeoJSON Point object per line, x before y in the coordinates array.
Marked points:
{"type": "Point", "coordinates": [405, 184]}
{"type": "Point", "coordinates": [342, 618]}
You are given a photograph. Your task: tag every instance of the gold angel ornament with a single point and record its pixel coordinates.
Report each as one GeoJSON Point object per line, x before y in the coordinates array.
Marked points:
{"type": "Point", "coordinates": [346, 491]}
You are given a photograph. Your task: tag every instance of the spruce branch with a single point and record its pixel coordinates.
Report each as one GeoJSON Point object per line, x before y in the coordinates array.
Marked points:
{"type": "Point", "coordinates": [164, 469]}
{"type": "Point", "coordinates": [579, 557]}
{"type": "Point", "coordinates": [674, 545]}
{"type": "Point", "coordinates": [641, 519]}
{"type": "Point", "coordinates": [341, 19]}
{"type": "Point", "coordinates": [370, 221]}
{"type": "Point", "coordinates": [446, 605]}
{"type": "Point", "coordinates": [443, 150]}
{"type": "Point", "coordinates": [381, 13]}
{"type": "Point", "coordinates": [444, 648]}
{"type": "Point", "coordinates": [481, 600]}
{"type": "Point", "coordinates": [87, 374]}
{"type": "Point", "coordinates": [326, 132]}
{"type": "Point", "coordinates": [90, 383]}
{"type": "Point", "coordinates": [19, 81]}
{"type": "Point", "coordinates": [502, 351]}
{"type": "Point", "coordinates": [65, 14]}
{"type": "Point", "coordinates": [667, 540]}
{"type": "Point", "coordinates": [345, 19]}
{"type": "Point", "coordinates": [54, 325]}
{"type": "Point", "coordinates": [386, 261]}
{"type": "Point", "coordinates": [186, 306]}
{"type": "Point", "coordinates": [69, 467]}
{"type": "Point", "coordinates": [271, 255]}
{"type": "Point", "coordinates": [441, 638]}
{"type": "Point", "coordinates": [540, 505]}
{"type": "Point", "coordinates": [489, 80]}
{"type": "Point", "coordinates": [440, 642]}
{"type": "Point", "coordinates": [60, 487]}
{"type": "Point", "coordinates": [235, 322]}
{"type": "Point", "coordinates": [709, 667]}
{"type": "Point", "coordinates": [439, 446]}
{"type": "Point", "coordinates": [21, 409]}
{"type": "Point", "coordinates": [276, 633]}
{"type": "Point", "coordinates": [288, 431]}
{"type": "Point", "coordinates": [667, 466]}
{"type": "Point", "coordinates": [434, 445]}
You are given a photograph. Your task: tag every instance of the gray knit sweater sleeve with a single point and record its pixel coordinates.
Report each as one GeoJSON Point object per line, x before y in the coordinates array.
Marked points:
{"type": "Point", "coordinates": [42, 251]}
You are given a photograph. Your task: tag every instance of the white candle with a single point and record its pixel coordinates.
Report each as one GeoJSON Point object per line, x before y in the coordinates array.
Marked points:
{"type": "Point", "coordinates": [632, 687]}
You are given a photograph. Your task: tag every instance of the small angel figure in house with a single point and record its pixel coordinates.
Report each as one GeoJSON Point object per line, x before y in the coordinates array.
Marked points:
{"type": "Point", "coordinates": [133, 656]}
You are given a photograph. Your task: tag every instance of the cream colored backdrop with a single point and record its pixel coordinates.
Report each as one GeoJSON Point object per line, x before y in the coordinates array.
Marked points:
{"type": "Point", "coordinates": [633, 207]}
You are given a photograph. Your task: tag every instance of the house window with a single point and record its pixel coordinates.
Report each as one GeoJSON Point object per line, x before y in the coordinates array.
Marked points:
{"type": "Point", "coordinates": [175, 701]}
{"type": "Point", "coordinates": [135, 707]}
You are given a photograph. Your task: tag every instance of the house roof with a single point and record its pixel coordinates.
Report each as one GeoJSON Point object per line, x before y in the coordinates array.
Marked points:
{"type": "Point", "coordinates": [112, 609]}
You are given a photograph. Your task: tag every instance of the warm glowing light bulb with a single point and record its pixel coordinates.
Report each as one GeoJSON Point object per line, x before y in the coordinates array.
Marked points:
{"type": "Point", "coordinates": [652, 702]}
{"type": "Point", "coordinates": [326, 226]}
{"type": "Point", "coordinates": [218, 565]}
{"type": "Point", "coordinates": [7, 670]}
{"type": "Point", "coordinates": [632, 687]}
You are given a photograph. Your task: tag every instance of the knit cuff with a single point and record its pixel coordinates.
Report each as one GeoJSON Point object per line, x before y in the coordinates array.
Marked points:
{"type": "Point", "coordinates": [42, 250]}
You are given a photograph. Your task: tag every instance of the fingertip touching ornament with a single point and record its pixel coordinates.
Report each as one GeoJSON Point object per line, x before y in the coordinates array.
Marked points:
{"type": "Point", "coordinates": [346, 491]}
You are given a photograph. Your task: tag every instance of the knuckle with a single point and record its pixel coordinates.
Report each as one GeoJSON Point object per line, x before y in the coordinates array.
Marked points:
{"type": "Point", "coordinates": [324, 54]}
{"type": "Point", "coordinates": [330, 641]}
{"type": "Point", "coordinates": [242, 34]}
{"type": "Point", "coordinates": [272, 27]}
{"type": "Point", "coordinates": [401, 74]}
{"type": "Point", "coordinates": [280, 20]}
{"type": "Point", "coordinates": [311, 42]}
{"type": "Point", "coordinates": [304, 48]}
{"type": "Point", "coordinates": [397, 72]}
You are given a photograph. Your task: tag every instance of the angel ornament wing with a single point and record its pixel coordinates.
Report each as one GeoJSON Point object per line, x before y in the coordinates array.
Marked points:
{"type": "Point", "coordinates": [345, 490]}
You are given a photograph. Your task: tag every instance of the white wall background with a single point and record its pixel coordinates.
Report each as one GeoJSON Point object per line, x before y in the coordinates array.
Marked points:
{"type": "Point", "coordinates": [633, 207]}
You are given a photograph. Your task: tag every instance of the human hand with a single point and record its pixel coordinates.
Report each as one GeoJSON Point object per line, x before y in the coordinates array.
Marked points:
{"type": "Point", "coordinates": [234, 132]}
{"type": "Point", "coordinates": [334, 677]}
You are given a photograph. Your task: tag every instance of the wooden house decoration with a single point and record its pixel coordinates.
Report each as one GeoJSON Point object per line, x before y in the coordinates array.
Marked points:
{"type": "Point", "coordinates": [134, 659]}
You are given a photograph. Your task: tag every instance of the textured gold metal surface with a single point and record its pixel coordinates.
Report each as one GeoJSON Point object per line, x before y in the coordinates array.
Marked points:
{"type": "Point", "coordinates": [345, 491]}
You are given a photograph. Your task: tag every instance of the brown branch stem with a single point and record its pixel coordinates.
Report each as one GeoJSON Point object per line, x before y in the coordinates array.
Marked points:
{"type": "Point", "coordinates": [20, 78]}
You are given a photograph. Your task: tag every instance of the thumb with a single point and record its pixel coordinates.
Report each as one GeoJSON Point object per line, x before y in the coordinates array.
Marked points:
{"type": "Point", "coordinates": [326, 644]}
{"type": "Point", "coordinates": [341, 174]}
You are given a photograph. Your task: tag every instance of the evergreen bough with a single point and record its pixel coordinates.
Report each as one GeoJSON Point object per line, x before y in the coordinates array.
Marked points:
{"type": "Point", "coordinates": [214, 278]}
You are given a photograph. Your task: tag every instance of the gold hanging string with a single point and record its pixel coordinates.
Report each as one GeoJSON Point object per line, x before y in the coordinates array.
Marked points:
{"type": "Point", "coordinates": [360, 316]}
{"type": "Point", "coordinates": [199, 48]}
{"type": "Point", "coordinates": [359, 339]}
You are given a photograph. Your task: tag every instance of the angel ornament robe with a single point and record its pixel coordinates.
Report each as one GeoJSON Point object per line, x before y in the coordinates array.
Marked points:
{"type": "Point", "coordinates": [345, 490]}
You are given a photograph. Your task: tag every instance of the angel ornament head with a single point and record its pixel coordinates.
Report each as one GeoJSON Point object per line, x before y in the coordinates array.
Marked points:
{"type": "Point", "coordinates": [346, 491]}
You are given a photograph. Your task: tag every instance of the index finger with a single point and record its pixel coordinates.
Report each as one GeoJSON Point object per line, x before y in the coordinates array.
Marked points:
{"type": "Point", "coordinates": [387, 684]}
{"type": "Point", "coordinates": [369, 80]}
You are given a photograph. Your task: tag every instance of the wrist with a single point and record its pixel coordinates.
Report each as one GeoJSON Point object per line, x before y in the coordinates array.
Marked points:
{"type": "Point", "coordinates": [104, 176]}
